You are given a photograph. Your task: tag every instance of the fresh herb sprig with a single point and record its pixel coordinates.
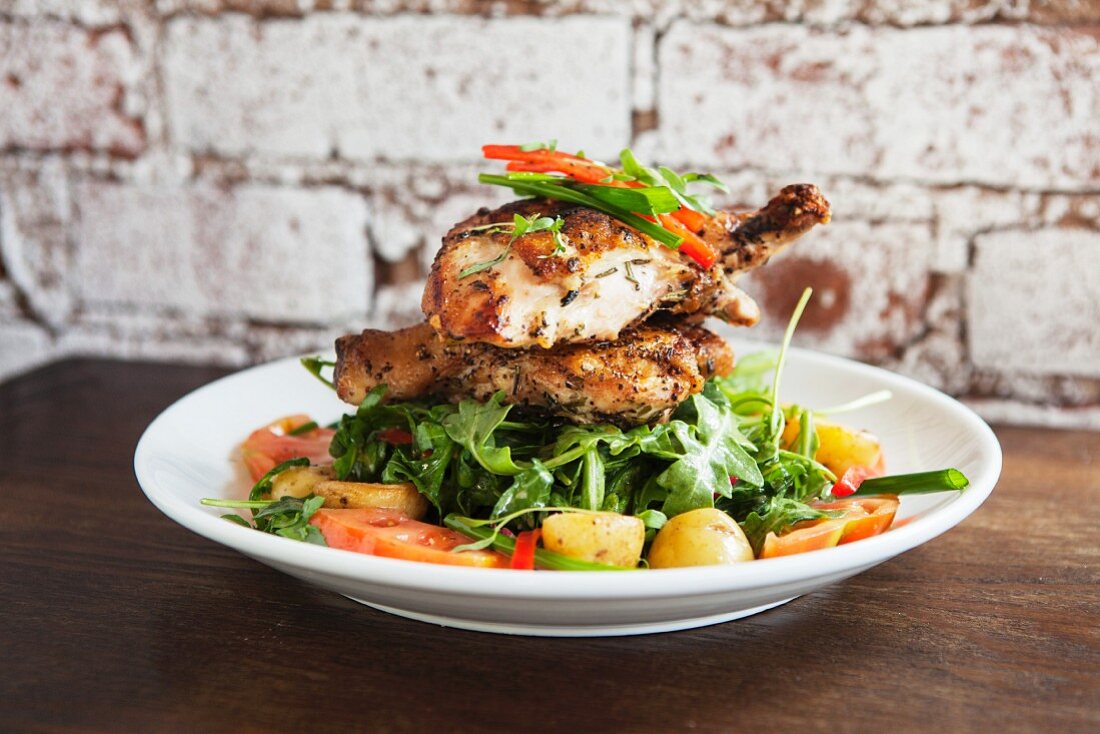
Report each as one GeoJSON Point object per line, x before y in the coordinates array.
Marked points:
{"type": "Point", "coordinates": [519, 226]}
{"type": "Point", "coordinates": [288, 517]}
{"type": "Point", "coordinates": [554, 187]}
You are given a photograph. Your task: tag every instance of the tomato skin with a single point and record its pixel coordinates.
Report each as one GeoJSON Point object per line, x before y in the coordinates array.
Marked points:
{"type": "Point", "coordinates": [814, 536]}
{"type": "Point", "coordinates": [390, 534]}
{"type": "Point", "coordinates": [863, 516]}
{"type": "Point", "coordinates": [271, 445]}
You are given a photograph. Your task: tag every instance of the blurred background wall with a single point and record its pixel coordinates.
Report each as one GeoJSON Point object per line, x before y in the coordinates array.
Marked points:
{"type": "Point", "coordinates": [233, 180]}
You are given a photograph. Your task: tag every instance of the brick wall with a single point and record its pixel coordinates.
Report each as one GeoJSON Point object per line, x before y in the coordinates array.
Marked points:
{"type": "Point", "coordinates": [233, 180]}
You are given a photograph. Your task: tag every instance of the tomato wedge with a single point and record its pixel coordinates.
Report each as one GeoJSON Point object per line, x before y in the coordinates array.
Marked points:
{"type": "Point", "coordinates": [817, 535]}
{"type": "Point", "coordinates": [863, 516]}
{"type": "Point", "coordinates": [275, 443]}
{"type": "Point", "coordinates": [390, 534]}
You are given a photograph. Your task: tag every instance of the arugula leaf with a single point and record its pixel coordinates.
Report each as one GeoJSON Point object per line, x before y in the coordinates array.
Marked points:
{"type": "Point", "coordinates": [713, 451]}
{"type": "Point", "coordinates": [472, 428]}
{"type": "Point", "coordinates": [314, 365]}
{"type": "Point", "coordinates": [530, 488]}
{"type": "Point", "coordinates": [425, 465]}
{"type": "Point", "coordinates": [288, 517]}
{"type": "Point", "coordinates": [593, 480]}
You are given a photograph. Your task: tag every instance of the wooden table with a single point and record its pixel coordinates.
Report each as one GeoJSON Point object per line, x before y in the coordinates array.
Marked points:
{"type": "Point", "coordinates": [114, 618]}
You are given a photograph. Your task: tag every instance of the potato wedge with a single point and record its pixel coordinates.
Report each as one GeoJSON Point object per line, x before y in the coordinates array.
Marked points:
{"type": "Point", "coordinates": [602, 537]}
{"type": "Point", "coordinates": [358, 495]}
{"type": "Point", "coordinates": [703, 537]}
{"type": "Point", "coordinates": [299, 481]}
{"type": "Point", "coordinates": [841, 447]}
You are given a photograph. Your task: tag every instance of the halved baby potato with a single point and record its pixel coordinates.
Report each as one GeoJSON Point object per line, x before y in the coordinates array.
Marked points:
{"type": "Point", "coordinates": [299, 481]}
{"type": "Point", "coordinates": [703, 537]}
{"type": "Point", "coordinates": [404, 498]}
{"type": "Point", "coordinates": [599, 537]}
{"type": "Point", "coordinates": [302, 481]}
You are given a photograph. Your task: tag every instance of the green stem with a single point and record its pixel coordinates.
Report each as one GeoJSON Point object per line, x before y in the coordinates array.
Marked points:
{"type": "Point", "coordinates": [945, 480]}
{"type": "Point", "coordinates": [777, 409]}
{"type": "Point", "coordinates": [543, 557]}
{"type": "Point", "coordinates": [564, 458]}
{"type": "Point", "coordinates": [562, 193]}
{"type": "Point", "coordinates": [237, 504]}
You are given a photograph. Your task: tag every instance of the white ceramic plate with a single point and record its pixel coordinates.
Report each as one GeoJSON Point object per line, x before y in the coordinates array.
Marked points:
{"type": "Point", "coordinates": [188, 453]}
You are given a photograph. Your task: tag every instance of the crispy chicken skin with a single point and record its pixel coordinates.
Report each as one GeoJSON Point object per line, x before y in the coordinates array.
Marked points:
{"type": "Point", "coordinates": [610, 278]}
{"type": "Point", "coordinates": [638, 378]}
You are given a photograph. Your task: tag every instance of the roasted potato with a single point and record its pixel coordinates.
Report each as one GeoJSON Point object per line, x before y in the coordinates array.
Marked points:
{"type": "Point", "coordinates": [357, 495]}
{"type": "Point", "coordinates": [601, 537]}
{"type": "Point", "coordinates": [841, 447]}
{"type": "Point", "coordinates": [704, 537]}
{"type": "Point", "coordinates": [299, 481]}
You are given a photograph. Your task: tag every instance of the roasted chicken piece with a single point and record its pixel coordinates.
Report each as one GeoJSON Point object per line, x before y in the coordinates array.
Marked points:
{"type": "Point", "coordinates": [609, 278]}
{"type": "Point", "coordinates": [638, 378]}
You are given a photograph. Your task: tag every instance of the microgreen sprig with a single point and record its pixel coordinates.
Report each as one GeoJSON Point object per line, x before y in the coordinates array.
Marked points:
{"type": "Point", "coordinates": [519, 226]}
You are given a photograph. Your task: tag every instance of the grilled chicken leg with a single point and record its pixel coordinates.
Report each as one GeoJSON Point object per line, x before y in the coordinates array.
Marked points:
{"type": "Point", "coordinates": [636, 379]}
{"type": "Point", "coordinates": [610, 277]}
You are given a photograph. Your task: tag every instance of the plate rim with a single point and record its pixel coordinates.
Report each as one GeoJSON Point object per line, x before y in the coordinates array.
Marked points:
{"type": "Point", "coordinates": [581, 585]}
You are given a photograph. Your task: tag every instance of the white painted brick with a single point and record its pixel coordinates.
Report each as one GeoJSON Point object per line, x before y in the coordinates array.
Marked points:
{"type": "Point", "coordinates": [62, 87]}
{"type": "Point", "coordinates": [267, 343]}
{"type": "Point", "coordinates": [87, 12]}
{"type": "Point", "coordinates": [937, 357]}
{"type": "Point", "coordinates": [644, 72]}
{"type": "Point", "coordinates": [332, 84]}
{"type": "Point", "coordinates": [923, 103]}
{"type": "Point", "coordinates": [964, 211]}
{"type": "Point", "coordinates": [122, 333]}
{"type": "Point", "coordinates": [34, 219]}
{"type": "Point", "coordinates": [413, 207]}
{"type": "Point", "coordinates": [870, 286]}
{"type": "Point", "coordinates": [23, 346]}
{"type": "Point", "coordinates": [263, 252]}
{"type": "Point", "coordinates": [1034, 300]}
{"type": "Point", "coordinates": [397, 306]}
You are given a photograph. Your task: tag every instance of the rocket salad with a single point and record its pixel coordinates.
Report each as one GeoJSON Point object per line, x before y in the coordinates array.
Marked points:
{"type": "Point", "coordinates": [734, 475]}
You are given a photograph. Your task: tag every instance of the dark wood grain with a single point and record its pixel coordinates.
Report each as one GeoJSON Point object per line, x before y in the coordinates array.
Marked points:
{"type": "Point", "coordinates": [113, 618]}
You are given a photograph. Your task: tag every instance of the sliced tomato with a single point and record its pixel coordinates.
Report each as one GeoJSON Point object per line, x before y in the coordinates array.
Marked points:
{"type": "Point", "coordinates": [274, 443]}
{"type": "Point", "coordinates": [863, 516]}
{"type": "Point", "coordinates": [389, 533]}
{"type": "Point", "coordinates": [813, 536]}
